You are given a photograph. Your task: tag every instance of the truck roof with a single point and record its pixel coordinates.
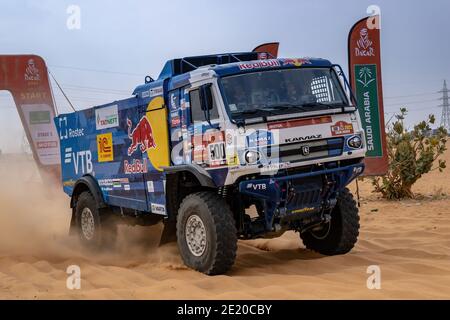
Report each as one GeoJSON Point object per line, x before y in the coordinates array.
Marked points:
{"type": "Point", "coordinates": [180, 71]}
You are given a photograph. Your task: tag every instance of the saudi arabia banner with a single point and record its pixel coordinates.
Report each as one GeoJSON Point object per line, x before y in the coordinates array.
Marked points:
{"type": "Point", "coordinates": [365, 78]}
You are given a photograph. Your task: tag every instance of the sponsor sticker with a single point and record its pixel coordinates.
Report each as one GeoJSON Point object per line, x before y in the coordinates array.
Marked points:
{"type": "Point", "coordinates": [341, 128]}
{"type": "Point", "coordinates": [81, 160]}
{"type": "Point", "coordinates": [136, 166]}
{"type": "Point", "coordinates": [299, 123]}
{"type": "Point", "coordinates": [150, 186]}
{"type": "Point", "coordinates": [141, 136]}
{"type": "Point", "coordinates": [158, 208]}
{"type": "Point", "coordinates": [259, 64]}
{"type": "Point", "coordinates": [175, 122]}
{"type": "Point", "coordinates": [156, 92]}
{"type": "Point", "coordinates": [296, 62]}
{"type": "Point", "coordinates": [107, 117]}
{"type": "Point", "coordinates": [303, 210]}
{"type": "Point", "coordinates": [260, 138]}
{"type": "Point", "coordinates": [105, 147]}
{"type": "Point", "coordinates": [114, 182]}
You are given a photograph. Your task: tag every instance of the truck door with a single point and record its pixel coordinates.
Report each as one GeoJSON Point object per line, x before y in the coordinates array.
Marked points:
{"type": "Point", "coordinates": [203, 140]}
{"type": "Point", "coordinates": [156, 152]}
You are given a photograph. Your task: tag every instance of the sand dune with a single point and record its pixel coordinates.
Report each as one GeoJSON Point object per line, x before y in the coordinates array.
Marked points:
{"type": "Point", "coordinates": [408, 240]}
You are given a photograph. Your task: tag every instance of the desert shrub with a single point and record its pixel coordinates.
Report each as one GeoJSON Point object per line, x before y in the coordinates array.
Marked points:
{"type": "Point", "coordinates": [411, 154]}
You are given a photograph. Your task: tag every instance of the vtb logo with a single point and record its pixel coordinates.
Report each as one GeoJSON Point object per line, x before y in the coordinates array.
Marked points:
{"type": "Point", "coordinates": [79, 158]}
{"type": "Point", "coordinates": [257, 186]}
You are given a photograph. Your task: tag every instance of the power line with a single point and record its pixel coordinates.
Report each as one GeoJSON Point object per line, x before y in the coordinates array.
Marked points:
{"type": "Point", "coordinates": [99, 71]}
{"type": "Point", "coordinates": [411, 95]}
{"type": "Point", "coordinates": [70, 103]}
{"type": "Point", "coordinates": [410, 102]}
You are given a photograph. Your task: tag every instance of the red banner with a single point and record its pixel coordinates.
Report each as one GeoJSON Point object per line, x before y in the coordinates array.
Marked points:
{"type": "Point", "coordinates": [26, 77]}
{"type": "Point", "coordinates": [267, 48]}
{"type": "Point", "coordinates": [364, 52]}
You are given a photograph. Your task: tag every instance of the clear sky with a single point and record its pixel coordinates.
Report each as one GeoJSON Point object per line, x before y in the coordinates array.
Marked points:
{"type": "Point", "coordinates": [120, 42]}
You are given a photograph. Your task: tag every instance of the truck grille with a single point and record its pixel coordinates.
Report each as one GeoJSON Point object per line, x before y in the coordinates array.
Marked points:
{"type": "Point", "coordinates": [303, 151]}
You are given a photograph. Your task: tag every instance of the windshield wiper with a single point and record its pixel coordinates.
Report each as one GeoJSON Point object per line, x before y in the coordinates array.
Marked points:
{"type": "Point", "coordinates": [321, 104]}
{"type": "Point", "coordinates": [254, 111]}
{"type": "Point", "coordinates": [284, 106]}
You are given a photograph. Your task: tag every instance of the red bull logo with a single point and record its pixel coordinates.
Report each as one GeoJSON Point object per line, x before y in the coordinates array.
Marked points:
{"type": "Point", "coordinates": [259, 64]}
{"type": "Point", "coordinates": [296, 62]}
{"type": "Point", "coordinates": [141, 136]}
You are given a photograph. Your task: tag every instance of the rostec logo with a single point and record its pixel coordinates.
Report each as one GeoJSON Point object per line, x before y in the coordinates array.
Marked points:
{"type": "Point", "coordinates": [107, 117]}
{"type": "Point", "coordinates": [32, 72]}
{"type": "Point", "coordinates": [79, 159]}
{"type": "Point", "coordinates": [257, 186]}
{"type": "Point", "coordinates": [142, 135]}
{"type": "Point", "coordinates": [364, 45]}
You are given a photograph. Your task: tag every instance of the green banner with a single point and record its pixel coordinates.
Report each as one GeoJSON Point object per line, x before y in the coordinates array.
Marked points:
{"type": "Point", "coordinates": [367, 97]}
{"type": "Point", "coordinates": [39, 117]}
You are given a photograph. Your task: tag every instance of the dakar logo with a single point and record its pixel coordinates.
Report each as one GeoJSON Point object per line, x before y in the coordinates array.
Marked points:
{"type": "Point", "coordinates": [32, 72]}
{"type": "Point", "coordinates": [365, 48]}
{"type": "Point", "coordinates": [365, 76]}
{"type": "Point", "coordinates": [141, 135]}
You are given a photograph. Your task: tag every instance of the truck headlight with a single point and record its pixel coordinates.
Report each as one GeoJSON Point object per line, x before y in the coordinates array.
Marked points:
{"type": "Point", "coordinates": [252, 157]}
{"type": "Point", "coordinates": [355, 142]}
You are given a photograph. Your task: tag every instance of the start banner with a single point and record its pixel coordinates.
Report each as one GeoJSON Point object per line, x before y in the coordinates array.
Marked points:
{"type": "Point", "coordinates": [364, 52]}
{"type": "Point", "coordinates": [26, 77]}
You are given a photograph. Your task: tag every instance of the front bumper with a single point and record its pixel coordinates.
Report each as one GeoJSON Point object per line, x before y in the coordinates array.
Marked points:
{"type": "Point", "coordinates": [300, 194]}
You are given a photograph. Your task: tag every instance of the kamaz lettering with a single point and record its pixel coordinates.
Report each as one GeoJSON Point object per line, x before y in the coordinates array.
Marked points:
{"type": "Point", "coordinates": [305, 138]}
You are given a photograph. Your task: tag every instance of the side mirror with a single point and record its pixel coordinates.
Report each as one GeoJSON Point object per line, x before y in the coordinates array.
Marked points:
{"type": "Point", "coordinates": [206, 98]}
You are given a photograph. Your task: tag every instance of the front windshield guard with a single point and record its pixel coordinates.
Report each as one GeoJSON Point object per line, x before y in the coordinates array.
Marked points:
{"type": "Point", "coordinates": [284, 91]}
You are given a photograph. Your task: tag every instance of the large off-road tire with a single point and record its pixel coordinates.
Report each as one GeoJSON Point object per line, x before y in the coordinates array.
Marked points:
{"type": "Point", "coordinates": [340, 234]}
{"type": "Point", "coordinates": [96, 229]}
{"type": "Point", "coordinates": [206, 233]}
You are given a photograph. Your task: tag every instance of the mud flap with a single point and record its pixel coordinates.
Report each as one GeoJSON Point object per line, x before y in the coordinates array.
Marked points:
{"type": "Point", "coordinates": [169, 233]}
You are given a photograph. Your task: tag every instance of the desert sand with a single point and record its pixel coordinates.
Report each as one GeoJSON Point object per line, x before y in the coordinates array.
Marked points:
{"type": "Point", "coordinates": [408, 240]}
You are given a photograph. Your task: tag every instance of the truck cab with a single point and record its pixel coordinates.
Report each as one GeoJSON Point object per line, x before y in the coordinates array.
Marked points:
{"type": "Point", "coordinates": [221, 147]}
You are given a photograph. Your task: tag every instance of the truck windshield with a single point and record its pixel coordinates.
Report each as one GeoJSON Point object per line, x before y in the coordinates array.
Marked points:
{"type": "Point", "coordinates": [276, 92]}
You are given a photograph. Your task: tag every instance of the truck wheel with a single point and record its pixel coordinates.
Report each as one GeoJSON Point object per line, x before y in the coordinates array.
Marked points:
{"type": "Point", "coordinates": [206, 233]}
{"type": "Point", "coordinates": [95, 230]}
{"type": "Point", "coordinates": [340, 234]}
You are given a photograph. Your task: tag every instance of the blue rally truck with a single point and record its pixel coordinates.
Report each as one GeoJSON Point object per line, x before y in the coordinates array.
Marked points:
{"type": "Point", "coordinates": [220, 148]}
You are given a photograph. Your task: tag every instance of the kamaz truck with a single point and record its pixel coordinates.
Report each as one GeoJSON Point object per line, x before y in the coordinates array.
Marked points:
{"type": "Point", "coordinates": [220, 148]}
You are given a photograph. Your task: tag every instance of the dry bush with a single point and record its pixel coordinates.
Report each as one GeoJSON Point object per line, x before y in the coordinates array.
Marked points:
{"type": "Point", "coordinates": [411, 154]}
